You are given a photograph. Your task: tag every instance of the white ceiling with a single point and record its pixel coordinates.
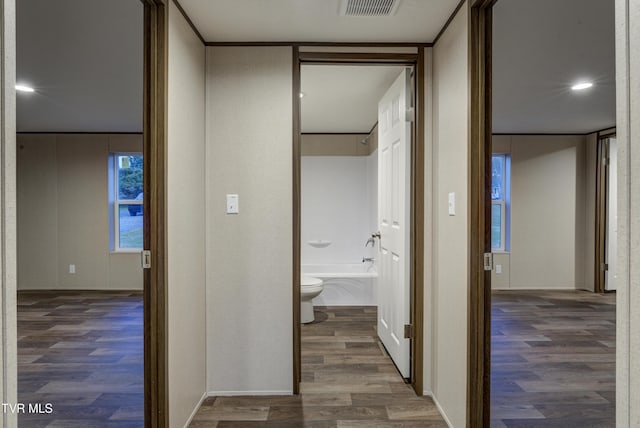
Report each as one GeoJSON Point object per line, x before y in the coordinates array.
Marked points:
{"type": "Point", "coordinates": [339, 98]}
{"type": "Point", "coordinates": [84, 58]}
{"type": "Point", "coordinates": [541, 48]}
{"type": "Point", "coordinates": [314, 21]}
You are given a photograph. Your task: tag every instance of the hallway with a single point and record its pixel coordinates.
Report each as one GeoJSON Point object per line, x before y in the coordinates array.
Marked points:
{"type": "Point", "coordinates": [348, 381]}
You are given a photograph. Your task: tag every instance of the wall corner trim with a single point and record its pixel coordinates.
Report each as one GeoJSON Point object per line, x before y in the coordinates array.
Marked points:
{"type": "Point", "coordinates": [205, 395]}
{"type": "Point", "coordinates": [189, 21]}
{"type": "Point", "coordinates": [446, 24]}
{"type": "Point", "coordinates": [442, 412]}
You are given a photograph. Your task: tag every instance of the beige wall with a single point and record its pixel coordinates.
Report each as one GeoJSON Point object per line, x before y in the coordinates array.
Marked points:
{"type": "Point", "coordinates": [186, 220]}
{"type": "Point", "coordinates": [628, 281]}
{"type": "Point", "coordinates": [338, 144]}
{"type": "Point", "coordinates": [63, 213]}
{"type": "Point", "coordinates": [8, 349]}
{"type": "Point", "coordinates": [249, 255]}
{"type": "Point", "coordinates": [333, 145]}
{"type": "Point", "coordinates": [552, 212]}
{"type": "Point", "coordinates": [451, 236]}
{"type": "Point", "coordinates": [429, 232]}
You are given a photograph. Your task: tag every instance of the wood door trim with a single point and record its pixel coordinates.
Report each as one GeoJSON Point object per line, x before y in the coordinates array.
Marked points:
{"type": "Point", "coordinates": [417, 225]}
{"type": "Point", "coordinates": [156, 396]}
{"type": "Point", "coordinates": [479, 321]}
{"type": "Point", "coordinates": [366, 58]}
{"type": "Point", "coordinates": [297, 196]}
{"type": "Point", "coordinates": [417, 193]}
{"type": "Point", "coordinates": [324, 44]}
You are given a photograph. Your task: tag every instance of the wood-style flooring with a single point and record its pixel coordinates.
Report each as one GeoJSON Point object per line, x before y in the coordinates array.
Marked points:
{"type": "Point", "coordinates": [82, 353]}
{"type": "Point", "coordinates": [348, 381]}
{"type": "Point", "coordinates": [553, 359]}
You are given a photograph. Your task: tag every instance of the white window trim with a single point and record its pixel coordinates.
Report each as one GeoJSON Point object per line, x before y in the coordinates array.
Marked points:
{"type": "Point", "coordinates": [506, 189]}
{"type": "Point", "coordinates": [503, 226]}
{"type": "Point", "coordinates": [117, 202]}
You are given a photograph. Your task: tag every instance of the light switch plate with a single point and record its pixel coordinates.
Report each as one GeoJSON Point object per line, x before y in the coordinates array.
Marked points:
{"type": "Point", "coordinates": [452, 203]}
{"type": "Point", "coordinates": [232, 204]}
{"type": "Point", "coordinates": [498, 268]}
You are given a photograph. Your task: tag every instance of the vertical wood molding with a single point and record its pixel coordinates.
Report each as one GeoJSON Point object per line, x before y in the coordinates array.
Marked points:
{"type": "Point", "coordinates": [8, 250]}
{"type": "Point", "coordinates": [479, 327]}
{"type": "Point", "coordinates": [417, 233]}
{"type": "Point", "coordinates": [297, 193]}
{"type": "Point", "coordinates": [155, 213]}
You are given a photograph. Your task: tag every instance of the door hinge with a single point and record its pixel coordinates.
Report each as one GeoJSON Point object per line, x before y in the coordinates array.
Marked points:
{"type": "Point", "coordinates": [408, 331]}
{"type": "Point", "coordinates": [604, 267]}
{"type": "Point", "coordinates": [146, 259]}
{"type": "Point", "coordinates": [410, 114]}
{"type": "Point", "coordinates": [488, 261]}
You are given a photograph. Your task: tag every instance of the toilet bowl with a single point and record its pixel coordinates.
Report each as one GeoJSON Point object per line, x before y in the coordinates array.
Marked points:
{"type": "Point", "coordinates": [309, 288]}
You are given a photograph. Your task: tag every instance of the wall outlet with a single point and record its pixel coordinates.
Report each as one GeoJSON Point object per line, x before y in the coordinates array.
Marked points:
{"type": "Point", "coordinates": [72, 268]}
{"type": "Point", "coordinates": [498, 269]}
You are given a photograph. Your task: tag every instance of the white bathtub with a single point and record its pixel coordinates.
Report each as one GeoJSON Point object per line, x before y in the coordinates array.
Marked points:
{"type": "Point", "coordinates": [345, 284]}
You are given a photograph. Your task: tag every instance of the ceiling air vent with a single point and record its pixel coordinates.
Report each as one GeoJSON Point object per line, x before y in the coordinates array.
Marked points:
{"type": "Point", "coordinates": [369, 7]}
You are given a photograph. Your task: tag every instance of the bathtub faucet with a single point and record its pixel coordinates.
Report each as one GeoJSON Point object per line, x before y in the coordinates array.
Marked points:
{"type": "Point", "coordinates": [372, 240]}
{"type": "Point", "coordinates": [367, 259]}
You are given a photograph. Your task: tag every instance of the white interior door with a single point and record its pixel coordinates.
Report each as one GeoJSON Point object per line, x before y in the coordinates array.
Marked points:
{"type": "Point", "coordinates": [394, 180]}
{"type": "Point", "coordinates": [612, 217]}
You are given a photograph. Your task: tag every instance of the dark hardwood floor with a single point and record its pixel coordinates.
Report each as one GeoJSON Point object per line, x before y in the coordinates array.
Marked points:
{"type": "Point", "coordinates": [553, 365]}
{"type": "Point", "coordinates": [82, 353]}
{"type": "Point", "coordinates": [348, 381]}
{"type": "Point", "coordinates": [553, 359]}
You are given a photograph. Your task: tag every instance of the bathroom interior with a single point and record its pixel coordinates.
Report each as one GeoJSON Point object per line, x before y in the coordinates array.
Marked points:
{"type": "Point", "coordinates": [339, 206]}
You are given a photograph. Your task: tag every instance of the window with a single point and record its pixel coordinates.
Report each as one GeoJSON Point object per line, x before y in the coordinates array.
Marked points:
{"type": "Point", "coordinates": [500, 171]}
{"type": "Point", "coordinates": [128, 201]}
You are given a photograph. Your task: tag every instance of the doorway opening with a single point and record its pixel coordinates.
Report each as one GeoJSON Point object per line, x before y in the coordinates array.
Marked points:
{"type": "Point", "coordinates": [311, 246]}
{"type": "Point", "coordinates": [80, 212]}
{"type": "Point", "coordinates": [343, 248]}
{"type": "Point", "coordinates": [539, 343]}
{"type": "Point", "coordinates": [92, 346]}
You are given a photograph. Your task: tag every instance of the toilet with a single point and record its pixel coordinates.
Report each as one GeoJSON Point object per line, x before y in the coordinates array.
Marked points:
{"type": "Point", "coordinates": [309, 288]}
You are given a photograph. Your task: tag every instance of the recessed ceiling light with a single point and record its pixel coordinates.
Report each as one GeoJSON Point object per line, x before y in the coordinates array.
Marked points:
{"type": "Point", "coordinates": [582, 85]}
{"type": "Point", "coordinates": [301, 94]}
{"type": "Point", "coordinates": [23, 88]}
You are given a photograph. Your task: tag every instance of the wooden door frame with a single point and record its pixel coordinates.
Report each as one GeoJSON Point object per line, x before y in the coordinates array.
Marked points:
{"type": "Point", "coordinates": [479, 321]}
{"type": "Point", "coordinates": [156, 392]}
{"type": "Point", "coordinates": [417, 196]}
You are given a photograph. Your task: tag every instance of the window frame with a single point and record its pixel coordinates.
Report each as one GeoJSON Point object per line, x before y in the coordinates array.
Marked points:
{"type": "Point", "coordinates": [117, 202]}
{"type": "Point", "coordinates": [503, 226]}
{"type": "Point", "coordinates": [503, 203]}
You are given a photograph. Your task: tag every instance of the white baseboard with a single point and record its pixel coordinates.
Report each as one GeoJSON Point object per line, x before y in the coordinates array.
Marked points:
{"type": "Point", "coordinates": [247, 393]}
{"type": "Point", "coordinates": [204, 396]}
{"type": "Point", "coordinates": [442, 413]}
